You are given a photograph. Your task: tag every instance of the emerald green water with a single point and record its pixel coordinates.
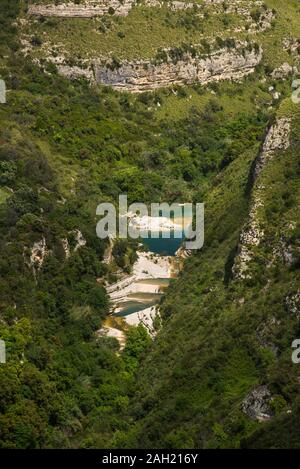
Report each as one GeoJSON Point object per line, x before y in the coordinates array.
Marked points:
{"type": "Point", "coordinates": [165, 247]}
{"type": "Point", "coordinates": [168, 246]}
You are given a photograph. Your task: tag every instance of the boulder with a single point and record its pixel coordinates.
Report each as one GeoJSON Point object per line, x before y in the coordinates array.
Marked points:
{"type": "Point", "coordinates": [257, 404]}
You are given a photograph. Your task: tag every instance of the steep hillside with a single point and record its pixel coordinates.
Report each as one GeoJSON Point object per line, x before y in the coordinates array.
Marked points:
{"type": "Point", "coordinates": [221, 367]}
{"type": "Point", "coordinates": [164, 101]}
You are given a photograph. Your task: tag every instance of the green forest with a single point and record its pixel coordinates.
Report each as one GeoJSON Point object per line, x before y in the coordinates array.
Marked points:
{"type": "Point", "coordinates": [67, 145]}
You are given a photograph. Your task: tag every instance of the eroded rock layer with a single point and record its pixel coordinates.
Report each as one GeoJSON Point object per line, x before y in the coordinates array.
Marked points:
{"type": "Point", "coordinates": [142, 76]}
{"type": "Point", "coordinates": [88, 9]}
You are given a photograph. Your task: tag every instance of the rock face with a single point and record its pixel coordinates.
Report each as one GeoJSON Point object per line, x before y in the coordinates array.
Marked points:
{"type": "Point", "coordinates": [283, 71]}
{"type": "Point", "coordinates": [108, 255]}
{"type": "Point", "coordinates": [252, 234]}
{"type": "Point", "coordinates": [75, 72]}
{"type": "Point", "coordinates": [2, 352]}
{"type": "Point", "coordinates": [88, 9]}
{"type": "Point", "coordinates": [38, 253]}
{"type": "Point", "coordinates": [66, 247]}
{"type": "Point", "coordinates": [292, 304]}
{"type": "Point", "coordinates": [141, 76]}
{"type": "Point", "coordinates": [257, 404]}
{"type": "Point", "coordinates": [285, 252]}
{"type": "Point", "coordinates": [92, 8]}
{"type": "Point", "coordinates": [276, 139]}
{"type": "Point", "coordinates": [80, 240]}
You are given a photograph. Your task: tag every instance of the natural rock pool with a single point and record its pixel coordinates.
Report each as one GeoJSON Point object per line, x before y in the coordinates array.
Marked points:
{"type": "Point", "coordinates": [135, 298]}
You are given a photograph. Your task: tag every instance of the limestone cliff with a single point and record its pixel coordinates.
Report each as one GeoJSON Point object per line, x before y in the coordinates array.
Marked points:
{"type": "Point", "coordinates": [277, 139]}
{"type": "Point", "coordinates": [88, 9]}
{"type": "Point", "coordinates": [142, 76]}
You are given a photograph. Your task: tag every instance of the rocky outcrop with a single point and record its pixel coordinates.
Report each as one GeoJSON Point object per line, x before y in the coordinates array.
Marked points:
{"type": "Point", "coordinates": [139, 76]}
{"type": "Point", "coordinates": [92, 8]}
{"type": "Point", "coordinates": [257, 404]}
{"type": "Point", "coordinates": [38, 253]}
{"type": "Point", "coordinates": [88, 9]}
{"type": "Point", "coordinates": [66, 247]}
{"type": "Point", "coordinates": [291, 44]}
{"type": "Point", "coordinates": [276, 139]}
{"type": "Point", "coordinates": [108, 255]}
{"type": "Point", "coordinates": [142, 76]}
{"type": "Point", "coordinates": [283, 71]}
{"type": "Point", "coordinates": [285, 252]}
{"type": "Point", "coordinates": [292, 304]}
{"type": "Point", "coordinates": [35, 256]}
{"type": "Point", "coordinates": [252, 234]}
{"type": "Point", "coordinates": [80, 240]}
{"type": "Point", "coordinates": [2, 351]}
{"type": "Point", "coordinates": [75, 72]}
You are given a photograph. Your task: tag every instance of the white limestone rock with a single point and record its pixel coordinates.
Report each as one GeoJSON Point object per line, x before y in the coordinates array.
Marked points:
{"type": "Point", "coordinates": [252, 234]}
{"type": "Point", "coordinates": [292, 304]}
{"type": "Point", "coordinates": [257, 404]}
{"type": "Point", "coordinates": [140, 76]}
{"type": "Point", "coordinates": [38, 253]}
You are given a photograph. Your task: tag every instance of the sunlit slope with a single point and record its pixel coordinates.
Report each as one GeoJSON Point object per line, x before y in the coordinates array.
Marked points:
{"type": "Point", "coordinates": [225, 336]}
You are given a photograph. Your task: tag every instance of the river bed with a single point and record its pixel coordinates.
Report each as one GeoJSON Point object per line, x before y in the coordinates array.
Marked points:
{"type": "Point", "coordinates": [136, 297]}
